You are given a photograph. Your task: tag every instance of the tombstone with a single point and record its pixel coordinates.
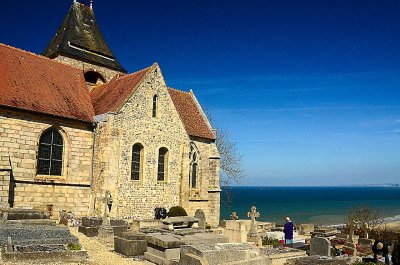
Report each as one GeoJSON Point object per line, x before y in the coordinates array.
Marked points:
{"type": "Point", "coordinates": [234, 216]}
{"type": "Point", "coordinates": [199, 214]}
{"type": "Point", "coordinates": [352, 227]}
{"type": "Point", "coordinates": [106, 232]}
{"type": "Point", "coordinates": [130, 244]}
{"type": "Point", "coordinates": [212, 254]}
{"type": "Point", "coordinates": [320, 246]}
{"type": "Point", "coordinates": [365, 230]}
{"type": "Point", "coordinates": [253, 235]}
{"type": "Point", "coordinates": [162, 248]}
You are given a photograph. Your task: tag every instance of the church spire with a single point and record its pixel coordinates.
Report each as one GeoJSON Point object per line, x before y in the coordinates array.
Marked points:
{"type": "Point", "coordinates": [80, 38]}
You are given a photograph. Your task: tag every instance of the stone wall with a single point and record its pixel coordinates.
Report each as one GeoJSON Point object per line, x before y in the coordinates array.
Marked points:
{"type": "Point", "coordinates": [116, 133]}
{"type": "Point", "coordinates": [134, 123]}
{"type": "Point", "coordinates": [19, 142]}
{"type": "Point", "coordinates": [107, 73]}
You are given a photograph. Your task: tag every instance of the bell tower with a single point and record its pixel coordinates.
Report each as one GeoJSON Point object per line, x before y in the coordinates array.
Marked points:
{"type": "Point", "coordinates": [80, 43]}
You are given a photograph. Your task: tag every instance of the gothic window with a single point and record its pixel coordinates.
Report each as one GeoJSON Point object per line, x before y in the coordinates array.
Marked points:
{"type": "Point", "coordinates": [50, 156]}
{"type": "Point", "coordinates": [154, 112]}
{"type": "Point", "coordinates": [162, 163]}
{"type": "Point", "coordinates": [193, 174]}
{"type": "Point", "coordinates": [137, 158]}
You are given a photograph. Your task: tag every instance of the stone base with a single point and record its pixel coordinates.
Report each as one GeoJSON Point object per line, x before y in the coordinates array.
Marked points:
{"type": "Point", "coordinates": [106, 235]}
{"type": "Point", "coordinates": [52, 256]}
{"type": "Point", "coordinates": [130, 244]}
{"type": "Point", "coordinates": [89, 231]}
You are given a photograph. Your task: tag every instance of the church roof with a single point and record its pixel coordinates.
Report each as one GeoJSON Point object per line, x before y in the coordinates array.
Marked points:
{"type": "Point", "coordinates": [191, 114]}
{"type": "Point", "coordinates": [80, 37]}
{"type": "Point", "coordinates": [35, 83]}
{"type": "Point", "coordinates": [110, 97]}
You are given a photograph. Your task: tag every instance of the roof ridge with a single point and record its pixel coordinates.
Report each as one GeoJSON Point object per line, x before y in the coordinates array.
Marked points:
{"type": "Point", "coordinates": [178, 90]}
{"type": "Point", "coordinates": [39, 55]}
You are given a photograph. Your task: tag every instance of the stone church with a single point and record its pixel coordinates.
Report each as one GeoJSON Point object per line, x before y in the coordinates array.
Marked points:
{"type": "Point", "coordinates": [75, 124]}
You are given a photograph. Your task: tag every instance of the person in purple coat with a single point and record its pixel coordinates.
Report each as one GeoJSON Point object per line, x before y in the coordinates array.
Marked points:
{"type": "Point", "coordinates": [288, 231]}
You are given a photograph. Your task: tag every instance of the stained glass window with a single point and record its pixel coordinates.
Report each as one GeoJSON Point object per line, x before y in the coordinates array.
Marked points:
{"type": "Point", "coordinates": [50, 154]}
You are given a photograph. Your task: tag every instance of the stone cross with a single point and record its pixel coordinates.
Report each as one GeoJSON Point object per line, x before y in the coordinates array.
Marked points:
{"type": "Point", "coordinates": [365, 230]}
{"type": "Point", "coordinates": [253, 214]}
{"type": "Point", "coordinates": [234, 216]}
{"type": "Point", "coordinates": [107, 201]}
{"type": "Point", "coordinates": [352, 226]}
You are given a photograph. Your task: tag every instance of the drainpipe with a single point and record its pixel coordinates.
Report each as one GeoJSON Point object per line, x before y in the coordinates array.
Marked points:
{"type": "Point", "coordinates": [91, 199]}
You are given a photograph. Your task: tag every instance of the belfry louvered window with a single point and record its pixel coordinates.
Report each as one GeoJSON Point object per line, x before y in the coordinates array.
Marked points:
{"type": "Point", "coordinates": [162, 163]}
{"type": "Point", "coordinates": [137, 158]}
{"type": "Point", "coordinates": [50, 156]}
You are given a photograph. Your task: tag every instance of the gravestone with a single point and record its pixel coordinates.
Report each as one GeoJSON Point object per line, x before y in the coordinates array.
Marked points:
{"type": "Point", "coordinates": [220, 254]}
{"type": "Point", "coordinates": [234, 216]}
{"type": "Point", "coordinates": [352, 227]}
{"type": "Point", "coordinates": [199, 214]}
{"type": "Point", "coordinates": [365, 229]}
{"type": "Point", "coordinates": [163, 249]}
{"type": "Point", "coordinates": [130, 244]}
{"type": "Point", "coordinates": [253, 235]}
{"type": "Point", "coordinates": [320, 246]}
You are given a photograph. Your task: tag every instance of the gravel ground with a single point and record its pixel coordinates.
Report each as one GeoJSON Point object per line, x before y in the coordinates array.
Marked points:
{"type": "Point", "coordinates": [98, 254]}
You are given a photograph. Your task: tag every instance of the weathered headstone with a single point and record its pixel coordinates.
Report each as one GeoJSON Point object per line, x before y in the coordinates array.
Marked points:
{"type": "Point", "coordinates": [106, 232]}
{"type": "Point", "coordinates": [365, 230]}
{"type": "Point", "coordinates": [234, 216]}
{"type": "Point", "coordinates": [320, 246]}
{"type": "Point", "coordinates": [253, 235]}
{"type": "Point", "coordinates": [352, 227]}
{"type": "Point", "coordinates": [199, 214]}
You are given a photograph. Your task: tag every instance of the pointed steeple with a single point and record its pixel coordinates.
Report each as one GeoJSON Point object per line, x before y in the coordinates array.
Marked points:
{"type": "Point", "coordinates": [80, 38]}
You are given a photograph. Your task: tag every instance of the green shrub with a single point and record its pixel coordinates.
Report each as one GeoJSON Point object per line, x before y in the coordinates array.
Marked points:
{"type": "Point", "coordinates": [176, 211]}
{"type": "Point", "coordinates": [270, 241]}
{"type": "Point", "coordinates": [72, 246]}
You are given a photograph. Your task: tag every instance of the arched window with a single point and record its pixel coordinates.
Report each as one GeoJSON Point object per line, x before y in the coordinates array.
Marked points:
{"type": "Point", "coordinates": [154, 112]}
{"type": "Point", "coordinates": [193, 174]}
{"type": "Point", "coordinates": [137, 158]}
{"type": "Point", "coordinates": [50, 156]}
{"type": "Point", "coordinates": [162, 164]}
{"type": "Point", "coordinates": [94, 78]}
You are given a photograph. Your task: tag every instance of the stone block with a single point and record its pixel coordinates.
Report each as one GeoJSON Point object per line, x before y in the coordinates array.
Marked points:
{"type": "Point", "coordinates": [131, 245]}
{"type": "Point", "coordinates": [89, 231]}
{"type": "Point", "coordinates": [91, 221]}
{"type": "Point", "coordinates": [320, 246]}
{"type": "Point", "coordinates": [164, 240]}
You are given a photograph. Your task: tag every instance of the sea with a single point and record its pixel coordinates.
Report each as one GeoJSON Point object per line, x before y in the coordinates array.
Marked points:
{"type": "Point", "coordinates": [316, 205]}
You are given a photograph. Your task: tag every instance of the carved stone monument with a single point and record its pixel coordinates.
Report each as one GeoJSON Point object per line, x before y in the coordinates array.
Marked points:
{"type": "Point", "coordinates": [352, 227]}
{"type": "Point", "coordinates": [253, 235]}
{"type": "Point", "coordinates": [234, 216]}
{"type": "Point", "coordinates": [106, 232]}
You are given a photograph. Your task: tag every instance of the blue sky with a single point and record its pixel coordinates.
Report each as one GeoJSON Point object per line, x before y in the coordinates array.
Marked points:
{"type": "Point", "coordinates": [309, 90]}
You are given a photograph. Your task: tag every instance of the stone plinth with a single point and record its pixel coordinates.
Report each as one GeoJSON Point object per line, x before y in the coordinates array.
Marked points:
{"type": "Point", "coordinates": [90, 226]}
{"type": "Point", "coordinates": [236, 231]}
{"type": "Point", "coordinates": [130, 244]}
{"type": "Point", "coordinates": [106, 235]}
{"type": "Point", "coordinates": [163, 249]}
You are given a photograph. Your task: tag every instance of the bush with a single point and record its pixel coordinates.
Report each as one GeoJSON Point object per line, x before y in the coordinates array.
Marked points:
{"type": "Point", "coordinates": [176, 211]}
{"type": "Point", "coordinates": [72, 246]}
{"type": "Point", "coordinates": [270, 241]}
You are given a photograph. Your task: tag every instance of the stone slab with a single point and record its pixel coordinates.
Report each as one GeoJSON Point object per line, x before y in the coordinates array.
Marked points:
{"type": "Point", "coordinates": [89, 231]}
{"type": "Point", "coordinates": [164, 240]}
{"type": "Point", "coordinates": [129, 247]}
{"type": "Point", "coordinates": [92, 221]}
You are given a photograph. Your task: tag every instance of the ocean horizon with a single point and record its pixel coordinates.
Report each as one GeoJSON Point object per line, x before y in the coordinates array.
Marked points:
{"type": "Point", "coordinates": [309, 204]}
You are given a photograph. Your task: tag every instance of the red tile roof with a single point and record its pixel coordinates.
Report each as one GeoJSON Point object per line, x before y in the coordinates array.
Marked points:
{"type": "Point", "coordinates": [191, 114]}
{"type": "Point", "coordinates": [111, 96]}
{"type": "Point", "coordinates": [35, 83]}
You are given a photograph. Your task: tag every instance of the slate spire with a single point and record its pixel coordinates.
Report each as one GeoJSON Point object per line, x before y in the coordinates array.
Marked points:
{"type": "Point", "coordinates": [79, 37]}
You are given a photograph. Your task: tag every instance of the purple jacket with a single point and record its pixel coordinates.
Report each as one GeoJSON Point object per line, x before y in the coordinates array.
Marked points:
{"type": "Point", "coordinates": [288, 230]}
